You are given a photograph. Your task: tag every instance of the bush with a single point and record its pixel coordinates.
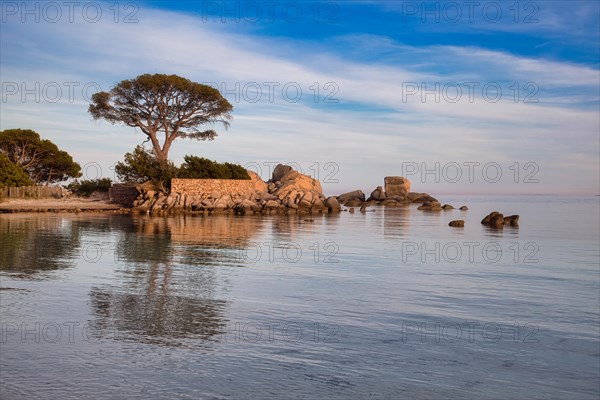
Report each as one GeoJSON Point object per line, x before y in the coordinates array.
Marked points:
{"type": "Point", "coordinates": [87, 187]}
{"type": "Point", "coordinates": [203, 168]}
{"type": "Point", "coordinates": [11, 174]}
{"type": "Point", "coordinates": [142, 165]}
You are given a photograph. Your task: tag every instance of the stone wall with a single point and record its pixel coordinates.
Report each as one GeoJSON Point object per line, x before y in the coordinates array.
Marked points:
{"type": "Point", "coordinates": [232, 187]}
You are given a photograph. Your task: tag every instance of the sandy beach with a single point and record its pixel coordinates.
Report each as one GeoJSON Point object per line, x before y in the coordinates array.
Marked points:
{"type": "Point", "coordinates": [70, 204]}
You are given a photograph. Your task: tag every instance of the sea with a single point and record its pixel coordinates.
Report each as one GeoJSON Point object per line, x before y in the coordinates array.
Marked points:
{"type": "Point", "coordinates": [391, 303]}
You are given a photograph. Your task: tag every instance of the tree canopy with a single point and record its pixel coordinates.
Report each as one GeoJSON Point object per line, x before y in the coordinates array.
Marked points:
{"type": "Point", "coordinates": [167, 104]}
{"type": "Point", "coordinates": [142, 165]}
{"type": "Point", "coordinates": [12, 174]}
{"type": "Point", "coordinates": [42, 160]}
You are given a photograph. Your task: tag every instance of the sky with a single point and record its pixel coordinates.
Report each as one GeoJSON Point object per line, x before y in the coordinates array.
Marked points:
{"type": "Point", "coordinates": [460, 97]}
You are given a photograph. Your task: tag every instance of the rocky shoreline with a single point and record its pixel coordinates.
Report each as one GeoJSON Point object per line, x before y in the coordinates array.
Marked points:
{"type": "Point", "coordinates": [288, 191]}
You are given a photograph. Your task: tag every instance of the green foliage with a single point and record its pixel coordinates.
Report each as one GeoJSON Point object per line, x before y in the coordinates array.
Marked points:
{"type": "Point", "coordinates": [41, 159]}
{"type": "Point", "coordinates": [12, 174]}
{"type": "Point", "coordinates": [87, 187]}
{"type": "Point", "coordinates": [142, 165]}
{"type": "Point", "coordinates": [157, 103]}
{"type": "Point", "coordinates": [203, 168]}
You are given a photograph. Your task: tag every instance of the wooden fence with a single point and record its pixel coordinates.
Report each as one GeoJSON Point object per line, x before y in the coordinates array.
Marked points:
{"type": "Point", "coordinates": [37, 192]}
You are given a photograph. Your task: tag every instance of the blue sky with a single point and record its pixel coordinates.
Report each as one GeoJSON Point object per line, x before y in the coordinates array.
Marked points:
{"type": "Point", "coordinates": [461, 97]}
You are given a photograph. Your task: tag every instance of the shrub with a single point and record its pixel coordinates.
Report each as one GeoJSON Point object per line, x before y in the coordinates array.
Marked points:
{"type": "Point", "coordinates": [203, 168]}
{"type": "Point", "coordinates": [142, 165]}
{"type": "Point", "coordinates": [87, 187]}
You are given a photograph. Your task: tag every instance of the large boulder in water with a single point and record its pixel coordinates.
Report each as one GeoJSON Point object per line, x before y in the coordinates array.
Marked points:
{"type": "Point", "coordinates": [396, 186]}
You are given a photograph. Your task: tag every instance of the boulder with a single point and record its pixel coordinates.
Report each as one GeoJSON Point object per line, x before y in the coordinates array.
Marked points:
{"type": "Point", "coordinates": [306, 201]}
{"type": "Point", "coordinates": [513, 220]}
{"type": "Point", "coordinates": [464, 208]}
{"type": "Point", "coordinates": [272, 204]}
{"type": "Point", "coordinates": [333, 204]}
{"type": "Point", "coordinates": [447, 207]}
{"type": "Point", "coordinates": [459, 223]}
{"type": "Point", "coordinates": [430, 206]}
{"type": "Point", "coordinates": [260, 186]}
{"type": "Point", "coordinates": [378, 194]}
{"type": "Point", "coordinates": [353, 195]}
{"type": "Point", "coordinates": [419, 197]}
{"type": "Point", "coordinates": [494, 220]}
{"type": "Point", "coordinates": [396, 186]}
{"type": "Point", "coordinates": [497, 221]}
{"type": "Point", "coordinates": [319, 206]}
{"type": "Point", "coordinates": [280, 171]}
{"type": "Point", "coordinates": [245, 206]}
{"type": "Point", "coordinates": [222, 203]}
{"type": "Point", "coordinates": [353, 203]}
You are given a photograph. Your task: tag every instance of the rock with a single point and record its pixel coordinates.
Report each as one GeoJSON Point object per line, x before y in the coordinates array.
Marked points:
{"type": "Point", "coordinates": [420, 197]}
{"type": "Point", "coordinates": [272, 204]}
{"type": "Point", "coordinates": [378, 194]}
{"type": "Point", "coordinates": [363, 208]}
{"type": "Point", "coordinates": [306, 200]}
{"type": "Point", "coordinates": [497, 221]}
{"type": "Point", "coordinates": [351, 210]}
{"type": "Point", "coordinates": [319, 206]}
{"type": "Point", "coordinates": [494, 220]}
{"type": "Point", "coordinates": [389, 202]}
{"type": "Point", "coordinates": [260, 186]}
{"type": "Point", "coordinates": [396, 186]}
{"type": "Point", "coordinates": [353, 203]}
{"type": "Point", "coordinates": [353, 195]}
{"type": "Point", "coordinates": [333, 204]}
{"type": "Point", "coordinates": [513, 220]}
{"type": "Point", "coordinates": [430, 206]}
{"type": "Point", "coordinates": [486, 219]}
{"type": "Point", "coordinates": [222, 203]}
{"type": "Point", "coordinates": [447, 207]}
{"type": "Point", "coordinates": [464, 208]}
{"type": "Point", "coordinates": [459, 223]}
{"type": "Point", "coordinates": [280, 171]}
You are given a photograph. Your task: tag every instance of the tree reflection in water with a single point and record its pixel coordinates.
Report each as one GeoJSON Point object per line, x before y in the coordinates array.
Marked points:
{"type": "Point", "coordinates": [168, 277]}
{"type": "Point", "coordinates": [33, 245]}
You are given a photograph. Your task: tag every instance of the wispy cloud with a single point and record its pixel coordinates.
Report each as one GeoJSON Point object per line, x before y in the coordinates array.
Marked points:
{"type": "Point", "coordinates": [374, 127]}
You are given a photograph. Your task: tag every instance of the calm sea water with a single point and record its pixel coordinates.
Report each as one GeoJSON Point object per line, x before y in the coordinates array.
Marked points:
{"type": "Point", "coordinates": [391, 304]}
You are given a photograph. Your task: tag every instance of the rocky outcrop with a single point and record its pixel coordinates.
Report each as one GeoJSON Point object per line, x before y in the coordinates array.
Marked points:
{"type": "Point", "coordinates": [459, 223]}
{"type": "Point", "coordinates": [288, 191]}
{"type": "Point", "coordinates": [497, 220]}
{"type": "Point", "coordinates": [420, 197]}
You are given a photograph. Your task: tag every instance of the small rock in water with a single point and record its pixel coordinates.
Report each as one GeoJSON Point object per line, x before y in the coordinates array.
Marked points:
{"type": "Point", "coordinates": [351, 210]}
{"type": "Point", "coordinates": [447, 207]}
{"type": "Point", "coordinates": [459, 223]}
{"type": "Point", "coordinates": [464, 208]}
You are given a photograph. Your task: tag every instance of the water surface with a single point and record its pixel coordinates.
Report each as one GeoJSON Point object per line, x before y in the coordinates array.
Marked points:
{"type": "Point", "coordinates": [386, 304]}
